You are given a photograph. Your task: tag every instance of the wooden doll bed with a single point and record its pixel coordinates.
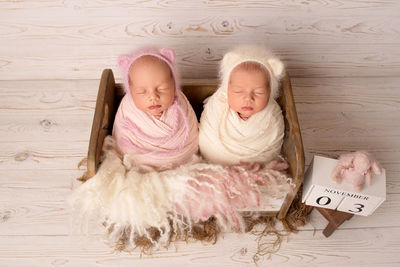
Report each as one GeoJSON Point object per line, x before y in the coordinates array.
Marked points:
{"type": "Point", "coordinates": [110, 94]}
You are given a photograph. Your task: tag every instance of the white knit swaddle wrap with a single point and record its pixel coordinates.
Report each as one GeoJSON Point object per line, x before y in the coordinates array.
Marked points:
{"type": "Point", "coordinates": [227, 139]}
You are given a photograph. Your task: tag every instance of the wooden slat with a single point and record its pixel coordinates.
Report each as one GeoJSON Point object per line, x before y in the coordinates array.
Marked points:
{"type": "Point", "coordinates": [45, 125]}
{"type": "Point", "coordinates": [75, 40]}
{"type": "Point", "coordinates": [311, 60]}
{"type": "Point", "coordinates": [317, 38]}
{"type": "Point", "coordinates": [363, 247]}
{"type": "Point", "coordinates": [362, 94]}
{"type": "Point", "coordinates": [40, 179]}
{"type": "Point", "coordinates": [44, 155]}
{"type": "Point", "coordinates": [335, 26]}
{"type": "Point", "coordinates": [350, 124]}
{"type": "Point", "coordinates": [124, 8]}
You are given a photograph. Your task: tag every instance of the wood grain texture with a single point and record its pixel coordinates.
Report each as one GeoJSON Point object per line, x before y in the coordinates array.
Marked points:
{"type": "Point", "coordinates": [124, 7]}
{"type": "Point", "coordinates": [337, 28]}
{"type": "Point", "coordinates": [363, 247]}
{"type": "Point", "coordinates": [58, 155]}
{"type": "Point", "coordinates": [199, 59]}
{"type": "Point", "coordinates": [49, 125]}
{"type": "Point", "coordinates": [76, 40]}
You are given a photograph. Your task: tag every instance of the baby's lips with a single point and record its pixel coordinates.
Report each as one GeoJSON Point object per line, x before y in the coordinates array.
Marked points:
{"type": "Point", "coordinates": [247, 108]}
{"type": "Point", "coordinates": [152, 107]}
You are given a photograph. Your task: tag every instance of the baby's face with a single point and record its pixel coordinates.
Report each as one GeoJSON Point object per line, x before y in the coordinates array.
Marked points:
{"type": "Point", "coordinates": [248, 91]}
{"type": "Point", "coordinates": [151, 85]}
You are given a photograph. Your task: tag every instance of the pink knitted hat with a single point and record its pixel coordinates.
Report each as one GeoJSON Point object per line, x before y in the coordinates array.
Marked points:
{"type": "Point", "coordinates": [167, 55]}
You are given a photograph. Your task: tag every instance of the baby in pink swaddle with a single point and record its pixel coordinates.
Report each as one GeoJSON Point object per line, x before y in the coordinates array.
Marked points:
{"type": "Point", "coordinates": [155, 125]}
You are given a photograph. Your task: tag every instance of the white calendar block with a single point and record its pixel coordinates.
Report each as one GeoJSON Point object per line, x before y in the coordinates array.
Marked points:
{"type": "Point", "coordinates": [320, 197]}
{"type": "Point", "coordinates": [319, 190]}
{"type": "Point", "coordinates": [357, 206]}
{"type": "Point", "coordinates": [370, 198]}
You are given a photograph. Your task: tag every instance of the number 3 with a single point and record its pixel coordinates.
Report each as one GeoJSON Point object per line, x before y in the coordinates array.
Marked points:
{"type": "Point", "coordinates": [359, 209]}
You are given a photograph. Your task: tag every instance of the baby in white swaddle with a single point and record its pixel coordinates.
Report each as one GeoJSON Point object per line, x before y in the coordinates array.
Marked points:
{"type": "Point", "coordinates": [241, 121]}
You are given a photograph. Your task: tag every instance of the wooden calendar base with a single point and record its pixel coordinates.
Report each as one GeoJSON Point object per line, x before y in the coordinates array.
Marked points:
{"type": "Point", "coordinates": [335, 218]}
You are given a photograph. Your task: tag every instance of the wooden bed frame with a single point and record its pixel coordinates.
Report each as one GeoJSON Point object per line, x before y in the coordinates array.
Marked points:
{"type": "Point", "coordinates": [109, 97]}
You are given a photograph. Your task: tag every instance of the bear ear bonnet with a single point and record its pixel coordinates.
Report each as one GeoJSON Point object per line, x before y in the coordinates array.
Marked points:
{"type": "Point", "coordinates": [168, 54]}
{"type": "Point", "coordinates": [124, 62]}
{"type": "Point", "coordinates": [277, 67]}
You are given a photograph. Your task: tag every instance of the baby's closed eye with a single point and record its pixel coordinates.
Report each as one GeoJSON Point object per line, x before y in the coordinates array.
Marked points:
{"type": "Point", "coordinates": [162, 89]}
{"type": "Point", "coordinates": [237, 90]}
{"type": "Point", "coordinates": [140, 91]}
{"type": "Point", "coordinates": [259, 92]}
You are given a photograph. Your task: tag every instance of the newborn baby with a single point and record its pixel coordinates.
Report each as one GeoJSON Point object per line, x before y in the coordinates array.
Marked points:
{"type": "Point", "coordinates": [242, 121]}
{"type": "Point", "coordinates": [155, 125]}
{"type": "Point", "coordinates": [142, 178]}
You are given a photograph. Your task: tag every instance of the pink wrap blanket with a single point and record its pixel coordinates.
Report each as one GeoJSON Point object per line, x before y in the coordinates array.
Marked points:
{"type": "Point", "coordinates": [145, 140]}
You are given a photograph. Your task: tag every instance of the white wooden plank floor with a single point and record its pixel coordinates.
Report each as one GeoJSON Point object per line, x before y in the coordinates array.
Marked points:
{"type": "Point", "coordinates": [44, 133]}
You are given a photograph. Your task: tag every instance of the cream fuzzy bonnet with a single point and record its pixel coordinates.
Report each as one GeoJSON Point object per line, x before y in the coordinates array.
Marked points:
{"type": "Point", "coordinates": [246, 53]}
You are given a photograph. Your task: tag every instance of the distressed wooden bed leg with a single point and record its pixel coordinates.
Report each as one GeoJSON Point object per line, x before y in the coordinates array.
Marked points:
{"type": "Point", "coordinates": [329, 229]}
{"type": "Point", "coordinates": [335, 219]}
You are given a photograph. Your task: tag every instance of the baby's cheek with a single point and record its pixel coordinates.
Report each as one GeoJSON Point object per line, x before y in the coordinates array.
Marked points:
{"type": "Point", "coordinates": [234, 102]}
{"type": "Point", "coordinates": [172, 97]}
{"type": "Point", "coordinates": [168, 100]}
{"type": "Point", "coordinates": [140, 102]}
{"type": "Point", "coordinates": [262, 103]}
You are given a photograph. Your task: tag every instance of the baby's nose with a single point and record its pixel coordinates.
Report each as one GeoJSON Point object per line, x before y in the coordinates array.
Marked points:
{"type": "Point", "coordinates": [153, 96]}
{"type": "Point", "coordinates": [248, 96]}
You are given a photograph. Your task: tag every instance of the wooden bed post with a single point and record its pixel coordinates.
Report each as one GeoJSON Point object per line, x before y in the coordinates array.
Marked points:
{"type": "Point", "coordinates": [292, 148]}
{"type": "Point", "coordinates": [102, 121]}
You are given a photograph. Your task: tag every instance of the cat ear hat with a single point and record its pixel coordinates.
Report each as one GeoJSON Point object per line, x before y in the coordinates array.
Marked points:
{"type": "Point", "coordinates": [274, 67]}
{"type": "Point", "coordinates": [167, 55]}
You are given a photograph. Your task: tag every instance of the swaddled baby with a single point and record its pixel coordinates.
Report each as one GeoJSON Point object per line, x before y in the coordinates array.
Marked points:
{"type": "Point", "coordinates": [143, 177]}
{"type": "Point", "coordinates": [242, 121]}
{"type": "Point", "coordinates": [155, 124]}
{"type": "Point", "coordinates": [242, 125]}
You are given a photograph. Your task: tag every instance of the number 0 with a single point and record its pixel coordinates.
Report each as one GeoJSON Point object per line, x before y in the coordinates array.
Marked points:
{"type": "Point", "coordinates": [328, 200]}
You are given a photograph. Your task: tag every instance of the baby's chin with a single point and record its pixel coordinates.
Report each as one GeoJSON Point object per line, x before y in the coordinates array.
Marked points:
{"type": "Point", "coordinates": [243, 117]}
{"type": "Point", "coordinates": [154, 113]}
{"type": "Point", "coordinates": [157, 115]}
